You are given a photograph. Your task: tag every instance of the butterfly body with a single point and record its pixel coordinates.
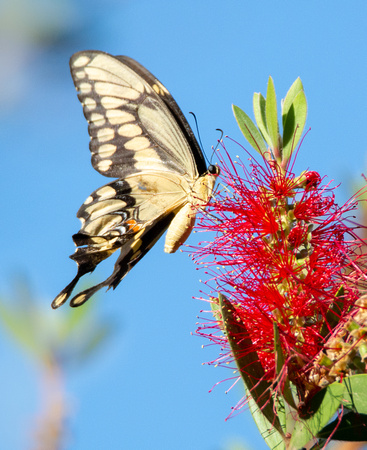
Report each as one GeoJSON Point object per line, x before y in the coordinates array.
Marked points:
{"type": "Point", "coordinates": [140, 136]}
{"type": "Point", "coordinates": [184, 221]}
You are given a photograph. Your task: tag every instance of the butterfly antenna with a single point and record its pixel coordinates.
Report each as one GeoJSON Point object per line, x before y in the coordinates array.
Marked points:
{"type": "Point", "coordinates": [198, 133]}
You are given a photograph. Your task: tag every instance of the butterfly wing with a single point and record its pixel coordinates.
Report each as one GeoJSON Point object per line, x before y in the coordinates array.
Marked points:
{"type": "Point", "coordinates": [170, 102]}
{"type": "Point", "coordinates": [132, 251]}
{"type": "Point", "coordinates": [134, 123]}
{"type": "Point", "coordinates": [138, 134]}
{"type": "Point", "coordinates": [125, 214]}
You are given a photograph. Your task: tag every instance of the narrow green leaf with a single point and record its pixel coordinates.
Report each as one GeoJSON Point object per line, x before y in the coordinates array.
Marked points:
{"type": "Point", "coordinates": [289, 98]}
{"type": "Point", "coordinates": [248, 363]}
{"type": "Point", "coordinates": [333, 314]}
{"type": "Point", "coordinates": [260, 116]}
{"type": "Point", "coordinates": [272, 115]}
{"type": "Point", "coordinates": [217, 313]}
{"type": "Point", "coordinates": [321, 409]}
{"type": "Point", "coordinates": [281, 411]}
{"type": "Point", "coordinates": [294, 124]}
{"type": "Point", "coordinates": [283, 381]}
{"type": "Point", "coordinates": [271, 436]}
{"type": "Point", "coordinates": [215, 307]}
{"type": "Point", "coordinates": [352, 427]}
{"type": "Point", "coordinates": [249, 129]}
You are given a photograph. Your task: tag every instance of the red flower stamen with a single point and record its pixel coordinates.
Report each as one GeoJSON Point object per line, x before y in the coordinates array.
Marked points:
{"type": "Point", "coordinates": [280, 254]}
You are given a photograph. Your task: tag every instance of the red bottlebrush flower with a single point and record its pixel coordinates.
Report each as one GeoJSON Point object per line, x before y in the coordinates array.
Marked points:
{"type": "Point", "coordinates": [282, 253]}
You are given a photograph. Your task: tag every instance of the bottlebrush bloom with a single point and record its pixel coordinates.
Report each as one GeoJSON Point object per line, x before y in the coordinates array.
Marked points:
{"type": "Point", "coordinates": [285, 273]}
{"type": "Point", "coordinates": [282, 253]}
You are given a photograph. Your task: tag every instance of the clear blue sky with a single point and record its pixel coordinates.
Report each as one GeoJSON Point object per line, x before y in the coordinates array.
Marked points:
{"type": "Point", "coordinates": [148, 388]}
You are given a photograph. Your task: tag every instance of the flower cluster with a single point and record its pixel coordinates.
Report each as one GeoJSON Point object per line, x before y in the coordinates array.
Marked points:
{"type": "Point", "coordinates": [283, 253]}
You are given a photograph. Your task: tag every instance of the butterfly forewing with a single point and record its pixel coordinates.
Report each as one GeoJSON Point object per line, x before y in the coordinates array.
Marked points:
{"type": "Point", "coordinates": [131, 128]}
{"type": "Point", "coordinates": [170, 102]}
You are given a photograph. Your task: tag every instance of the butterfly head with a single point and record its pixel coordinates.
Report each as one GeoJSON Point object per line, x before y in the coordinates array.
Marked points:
{"type": "Point", "coordinates": [213, 170]}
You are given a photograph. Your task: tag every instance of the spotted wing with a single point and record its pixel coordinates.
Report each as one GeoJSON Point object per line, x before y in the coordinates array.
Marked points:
{"type": "Point", "coordinates": [129, 214]}
{"type": "Point", "coordinates": [134, 122]}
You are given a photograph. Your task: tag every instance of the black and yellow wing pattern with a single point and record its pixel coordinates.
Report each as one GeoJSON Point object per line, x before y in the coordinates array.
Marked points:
{"type": "Point", "coordinates": [139, 136]}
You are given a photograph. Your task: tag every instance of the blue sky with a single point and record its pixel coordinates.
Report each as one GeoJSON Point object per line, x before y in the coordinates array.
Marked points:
{"type": "Point", "coordinates": [148, 388]}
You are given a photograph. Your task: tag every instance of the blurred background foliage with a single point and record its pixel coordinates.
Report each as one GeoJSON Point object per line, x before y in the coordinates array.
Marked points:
{"type": "Point", "coordinates": [57, 345]}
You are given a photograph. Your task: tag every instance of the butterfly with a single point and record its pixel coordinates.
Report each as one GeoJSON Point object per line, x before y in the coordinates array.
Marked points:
{"type": "Point", "coordinates": [139, 136]}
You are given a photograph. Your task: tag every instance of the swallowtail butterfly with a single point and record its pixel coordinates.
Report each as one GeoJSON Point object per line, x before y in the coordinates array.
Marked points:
{"type": "Point", "coordinates": [139, 136]}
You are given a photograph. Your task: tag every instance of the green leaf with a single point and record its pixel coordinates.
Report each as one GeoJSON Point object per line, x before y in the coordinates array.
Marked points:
{"type": "Point", "coordinates": [333, 314]}
{"type": "Point", "coordinates": [260, 115]}
{"type": "Point", "coordinates": [352, 427]}
{"type": "Point", "coordinates": [215, 307]}
{"type": "Point", "coordinates": [249, 130]}
{"type": "Point", "coordinates": [321, 409]}
{"type": "Point", "coordinates": [217, 313]}
{"type": "Point", "coordinates": [283, 381]}
{"type": "Point", "coordinates": [272, 115]}
{"type": "Point", "coordinates": [351, 393]}
{"type": "Point", "coordinates": [271, 436]}
{"type": "Point", "coordinates": [355, 393]}
{"type": "Point", "coordinates": [281, 411]}
{"type": "Point", "coordinates": [248, 362]}
{"type": "Point", "coordinates": [289, 98]}
{"type": "Point", "coordinates": [294, 123]}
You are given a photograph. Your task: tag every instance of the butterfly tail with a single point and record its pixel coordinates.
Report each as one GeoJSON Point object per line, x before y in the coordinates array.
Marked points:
{"type": "Point", "coordinates": [65, 293]}
{"type": "Point", "coordinates": [131, 253]}
{"type": "Point", "coordinates": [119, 272]}
{"type": "Point", "coordinates": [85, 295]}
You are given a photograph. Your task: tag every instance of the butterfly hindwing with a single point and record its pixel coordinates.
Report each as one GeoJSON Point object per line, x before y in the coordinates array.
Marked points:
{"type": "Point", "coordinates": [118, 216]}
{"type": "Point", "coordinates": [116, 208]}
{"type": "Point", "coordinates": [136, 245]}
{"type": "Point", "coordinates": [132, 251]}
